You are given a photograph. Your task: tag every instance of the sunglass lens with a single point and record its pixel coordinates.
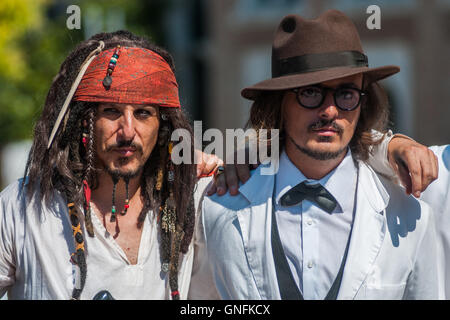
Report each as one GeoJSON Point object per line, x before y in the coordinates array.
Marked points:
{"type": "Point", "coordinates": [310, 97]}
{"type": "Point", "coordinates": [347, 98]}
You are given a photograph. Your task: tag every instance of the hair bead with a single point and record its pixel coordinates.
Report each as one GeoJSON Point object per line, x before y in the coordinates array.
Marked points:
{"type": "Point", "coordinates": [107, 81]}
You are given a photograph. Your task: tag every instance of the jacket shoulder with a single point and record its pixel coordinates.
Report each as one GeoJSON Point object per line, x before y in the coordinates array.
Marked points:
{"type": "Point", "coordinates": [216, 204]}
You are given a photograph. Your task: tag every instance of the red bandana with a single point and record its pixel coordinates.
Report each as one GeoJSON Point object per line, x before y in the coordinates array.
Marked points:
{"type": "Point", "coordinates": [140, 76]}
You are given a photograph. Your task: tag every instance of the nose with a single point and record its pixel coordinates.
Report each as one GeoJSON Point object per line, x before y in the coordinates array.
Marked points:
{"type": "Point", "coordinates": [127, 129]}
{"type": "Point", "coordinates": [328, 110]}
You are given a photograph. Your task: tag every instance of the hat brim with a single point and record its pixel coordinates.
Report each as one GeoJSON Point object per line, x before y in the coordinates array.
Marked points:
{"type": "Point", "coordinates": [304, 79]}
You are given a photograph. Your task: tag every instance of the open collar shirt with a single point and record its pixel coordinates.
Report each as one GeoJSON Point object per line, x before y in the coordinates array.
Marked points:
{"type": "Point", "coordinates": [36, 243]}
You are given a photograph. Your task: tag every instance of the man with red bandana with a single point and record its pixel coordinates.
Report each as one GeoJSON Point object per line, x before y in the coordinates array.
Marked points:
{"type": "Point", "coordinates": [103, 212]}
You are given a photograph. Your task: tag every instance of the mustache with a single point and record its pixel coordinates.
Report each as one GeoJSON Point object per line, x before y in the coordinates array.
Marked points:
{"type": "Point", "coordinates": [125, 144]}
{"type": "Point", "coordinates": [325, 123]}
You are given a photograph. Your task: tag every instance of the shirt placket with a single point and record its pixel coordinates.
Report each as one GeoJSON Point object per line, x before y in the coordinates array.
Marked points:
{"type": "Point", "coordinates": [310, 241]}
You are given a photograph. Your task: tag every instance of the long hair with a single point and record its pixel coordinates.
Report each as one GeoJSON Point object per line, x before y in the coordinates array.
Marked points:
{"type": "Point", "coordinates": [266, 113]}
{"type": "Point", "coordinates": [67, 163]}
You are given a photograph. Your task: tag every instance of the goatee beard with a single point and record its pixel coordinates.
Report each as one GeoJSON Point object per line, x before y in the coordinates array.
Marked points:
{"type": "Point", "coordinates": [319, 155]}
{"type": "Point", "coordinates": [116, 174]}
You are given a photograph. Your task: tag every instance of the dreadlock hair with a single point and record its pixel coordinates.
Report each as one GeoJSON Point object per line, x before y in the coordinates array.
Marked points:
{"type": "Point", "coordinates": [67, 163]}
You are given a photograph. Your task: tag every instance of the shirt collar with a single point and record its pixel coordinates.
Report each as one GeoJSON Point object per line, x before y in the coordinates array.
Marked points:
{"type": "Point", "coordinates": [340, 182]}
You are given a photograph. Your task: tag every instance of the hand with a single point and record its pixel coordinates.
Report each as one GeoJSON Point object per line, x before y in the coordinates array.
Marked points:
{"type": "Point", "coordinates": [206, 163]}
{"type": "Point", "coordinates": [414, 164]}
{"type": "Point", "coordinates": [230, 178]}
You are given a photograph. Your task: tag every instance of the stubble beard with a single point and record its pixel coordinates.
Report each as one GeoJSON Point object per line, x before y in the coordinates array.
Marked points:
{"type": "Point", "coordinates": [321, 155]}
{"type": "Point", "coordinates": [316, 154]}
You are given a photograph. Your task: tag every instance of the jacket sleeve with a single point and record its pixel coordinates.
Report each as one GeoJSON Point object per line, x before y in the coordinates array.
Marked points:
{"type": "Point", "coordinates": [426, 279]}
{"type": "Point", "coordinates": [202, 282]}
{"type": "Point", "coordinates": [378, 157]}
{"type": "Point", "coordinates": [438, 192]}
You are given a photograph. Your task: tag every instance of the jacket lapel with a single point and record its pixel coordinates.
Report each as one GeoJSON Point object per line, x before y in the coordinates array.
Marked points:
{"type": "Point", "coordinates": [368, 233]}
{"type": "Point", "coordinates": [369, 229]}
{"type": "Point", "coordinates": [255, 223]}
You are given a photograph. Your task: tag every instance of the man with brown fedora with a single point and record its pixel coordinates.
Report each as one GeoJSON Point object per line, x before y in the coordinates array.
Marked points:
{"type": "Point", "coordinates": [325, 226]}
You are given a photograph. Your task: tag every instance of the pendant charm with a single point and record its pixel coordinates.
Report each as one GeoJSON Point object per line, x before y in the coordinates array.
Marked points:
{"type": "Point", "coordinates": [165, 267]}
{"type": "Point", "coordinates": [107, 82]}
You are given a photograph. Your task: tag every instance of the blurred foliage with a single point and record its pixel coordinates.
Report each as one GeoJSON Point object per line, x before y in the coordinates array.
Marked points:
{"type": "Point", "coordinates": [34, 41]}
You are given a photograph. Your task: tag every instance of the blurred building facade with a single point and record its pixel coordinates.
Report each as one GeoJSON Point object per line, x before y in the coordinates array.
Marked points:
{"type": "Point", "coordinates": [222, 46]}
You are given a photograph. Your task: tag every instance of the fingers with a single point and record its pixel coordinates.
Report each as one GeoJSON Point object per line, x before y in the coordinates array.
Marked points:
{"type": "Point", "coordinates": [415, 171]}
{"type": "Point", "coordinates": [428, 170]}
{"type": "Point", "coordinates": [227, 181]}
{"type": "Point", "coordinates": [211, 189]}
{"type": "Point", "coordinates": [243, 172]}
{"type": "Point", "coordinates": [231, 177]}
{"type": "Point", "coordinates": [403, 174]}
{"type": "Point", "coordinates": [434, 169]}
{"type": "Point", "coordinates": [221, 184]}
{"type": "Point", "coordinates": [418, 160]}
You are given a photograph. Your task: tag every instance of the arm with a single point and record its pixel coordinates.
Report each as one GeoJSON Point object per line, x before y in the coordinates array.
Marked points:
{"type": "Point", "coordinates": [397, 157]}
{"type": "Point", "coordinates": [401, 158]}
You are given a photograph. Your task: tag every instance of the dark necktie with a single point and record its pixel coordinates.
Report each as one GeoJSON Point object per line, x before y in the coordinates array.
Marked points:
{"type": "Point", "coordinates": [312, 192]}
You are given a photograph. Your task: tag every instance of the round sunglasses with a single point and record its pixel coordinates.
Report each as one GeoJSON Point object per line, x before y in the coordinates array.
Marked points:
{"type": "Point", "coordinates": [346, 98]}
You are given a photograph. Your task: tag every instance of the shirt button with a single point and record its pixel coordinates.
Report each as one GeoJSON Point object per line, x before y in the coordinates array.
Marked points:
{"type": "Point", "coordinates": [310, 264]}
{"type": "Point", "coordinates": [309, 222]}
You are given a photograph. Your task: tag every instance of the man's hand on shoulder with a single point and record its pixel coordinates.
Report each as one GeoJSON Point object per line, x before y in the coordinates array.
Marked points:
{"type": "Point", "coordinates": [231, 176]}
{"type": "Point", "coordinates": [415, 164]}
{"type": "Point", "coordinates": [207, 164]}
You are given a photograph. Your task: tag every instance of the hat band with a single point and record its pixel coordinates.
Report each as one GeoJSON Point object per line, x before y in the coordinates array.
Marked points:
{"type": "Point", "coordinates": [317, 62]}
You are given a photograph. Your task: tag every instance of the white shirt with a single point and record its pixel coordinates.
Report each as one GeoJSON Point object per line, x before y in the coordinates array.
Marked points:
{"type": "Point", "coordinates": [313, 240]}
{"type": "Point", "coordinates": [35, 254]}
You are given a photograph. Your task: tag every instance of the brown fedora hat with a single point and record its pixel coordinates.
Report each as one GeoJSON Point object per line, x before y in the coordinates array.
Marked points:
{"type": "Point", "coordinates": [306, 52]}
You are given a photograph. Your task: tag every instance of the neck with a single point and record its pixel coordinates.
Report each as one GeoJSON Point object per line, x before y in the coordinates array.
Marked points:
{"type": "Point", "coordinates": [310, 167]}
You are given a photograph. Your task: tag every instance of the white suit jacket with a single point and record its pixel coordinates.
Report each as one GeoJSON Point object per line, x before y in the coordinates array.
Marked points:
{"type": "Point", "coordinates": [392, 253]}
{"type": "Point", "coordinates": [437, 196]}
